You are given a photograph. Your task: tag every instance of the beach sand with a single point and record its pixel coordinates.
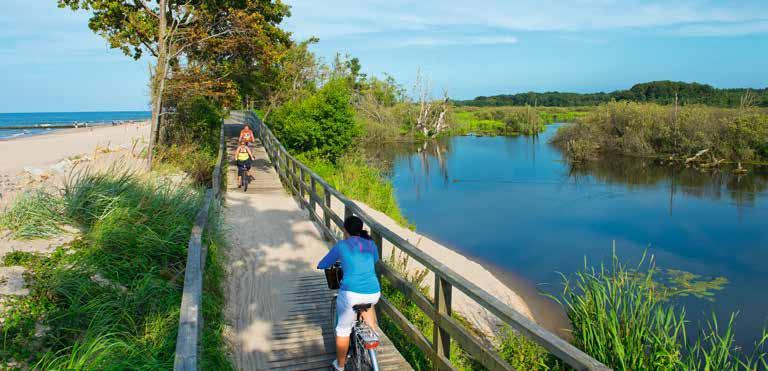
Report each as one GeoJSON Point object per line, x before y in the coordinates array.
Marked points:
{"type": "Point", "coordinates": [46, 159]}
{"type": "Point", "coordinates": [39, 151]}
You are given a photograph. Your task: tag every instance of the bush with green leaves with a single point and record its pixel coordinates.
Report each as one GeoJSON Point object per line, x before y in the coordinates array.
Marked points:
{"type": "Point", "coordinates": [323, 124]}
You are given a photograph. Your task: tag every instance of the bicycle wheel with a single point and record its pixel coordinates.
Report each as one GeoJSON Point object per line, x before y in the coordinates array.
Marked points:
{"type": "Point", "coordinates": [359, 359]}
{"type": "Point", "coordinates": [245, 181]}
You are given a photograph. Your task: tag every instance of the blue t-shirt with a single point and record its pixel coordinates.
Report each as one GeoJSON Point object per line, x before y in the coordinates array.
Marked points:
{"type": "Point", "coordinates": [358, 257]}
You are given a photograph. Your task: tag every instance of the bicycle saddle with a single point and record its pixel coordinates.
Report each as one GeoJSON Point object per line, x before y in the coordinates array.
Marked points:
{"type": "Point", "coordinates": [361, 307]}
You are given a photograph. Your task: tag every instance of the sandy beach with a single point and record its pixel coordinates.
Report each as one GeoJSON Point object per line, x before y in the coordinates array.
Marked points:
{"type": "Point", "coordinates": [45, 159]}
{"type": "Point", "coordinates": [43, 150]}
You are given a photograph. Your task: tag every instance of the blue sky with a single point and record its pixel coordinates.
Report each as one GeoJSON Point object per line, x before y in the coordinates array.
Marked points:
{"type": "Point", "coordinates": [52, 62]}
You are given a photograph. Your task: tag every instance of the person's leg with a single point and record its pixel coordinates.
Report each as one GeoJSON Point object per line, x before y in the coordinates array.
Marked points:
{"type": "Point", "coordinates": [342, 347]}
{"type": "Point", "coordinates": [344, 323]}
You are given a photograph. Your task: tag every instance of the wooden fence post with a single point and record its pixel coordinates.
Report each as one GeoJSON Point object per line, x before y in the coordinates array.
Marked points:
{"type": "Point", "coordinates": [312, 194]}
{"type": "Point", "coordinates": [302, 176]}
{"type": "Point", "coordinates": [326, 214]}
{"type": "Point", "coordinates": [441, 340]}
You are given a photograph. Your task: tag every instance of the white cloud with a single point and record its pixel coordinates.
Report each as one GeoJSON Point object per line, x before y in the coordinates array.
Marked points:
{"type": "Point", "coordinates": [723, 29]}
{"type": "Point", "coordinates": [334, 18]}
{"type": "Point", "coordinates": [456, 40]}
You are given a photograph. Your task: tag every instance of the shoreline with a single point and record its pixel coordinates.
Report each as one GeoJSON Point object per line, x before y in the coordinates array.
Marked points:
{"type": "Point", "coordinates": [24, 153]}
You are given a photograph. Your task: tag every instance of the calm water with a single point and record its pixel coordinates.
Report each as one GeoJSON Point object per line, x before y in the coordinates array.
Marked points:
{"type": "Point", "coordinates": [31, 119]}
{"type": "Point", "coordinates": [514, 205]}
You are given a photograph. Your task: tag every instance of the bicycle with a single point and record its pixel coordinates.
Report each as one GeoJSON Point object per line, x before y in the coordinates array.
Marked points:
{"type": "Point", "coordinates": [242, 172]}
{"type": "Point", "coordinates": [363, 340]}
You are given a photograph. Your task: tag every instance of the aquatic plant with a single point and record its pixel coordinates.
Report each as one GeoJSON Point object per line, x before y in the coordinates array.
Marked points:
{"type": "Point", "coordinates": [622, 317]}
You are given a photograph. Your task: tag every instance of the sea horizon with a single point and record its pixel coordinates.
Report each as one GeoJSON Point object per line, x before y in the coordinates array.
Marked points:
{"type": "Point", "coordinates": [33, 119]}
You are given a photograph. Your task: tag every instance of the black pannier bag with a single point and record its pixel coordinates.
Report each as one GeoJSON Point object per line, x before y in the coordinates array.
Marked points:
{"type": "Point", "coordinates": [333, 276]}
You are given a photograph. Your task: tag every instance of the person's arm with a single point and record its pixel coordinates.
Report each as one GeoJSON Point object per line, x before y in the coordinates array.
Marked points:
{"type": "Point", "coordinates": [250, 153]}
{"type": "Point", "coordinates": [330, 259]}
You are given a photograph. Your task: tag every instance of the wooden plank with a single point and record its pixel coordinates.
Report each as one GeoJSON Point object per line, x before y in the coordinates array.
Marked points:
{"type": "Point", "coordinates": [466, 340]}
{"type": "Point", "coordinates": [441, 340]}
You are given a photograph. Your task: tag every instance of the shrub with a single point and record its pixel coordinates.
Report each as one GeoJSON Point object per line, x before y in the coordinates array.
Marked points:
{"type": "Point", "coordinates": [321, 125]}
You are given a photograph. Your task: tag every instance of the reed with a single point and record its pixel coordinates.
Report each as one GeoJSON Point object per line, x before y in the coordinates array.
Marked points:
{"type": "Point", "coordinates": [622, 317]}
{"type": "Point", "coordinates": [674, 132]}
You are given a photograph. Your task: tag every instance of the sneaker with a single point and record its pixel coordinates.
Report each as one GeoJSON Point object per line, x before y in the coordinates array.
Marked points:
{"type": "Point", "coordinates": [336, 365]}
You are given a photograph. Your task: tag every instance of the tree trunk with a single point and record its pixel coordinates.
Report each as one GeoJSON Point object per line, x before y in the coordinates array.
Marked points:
{"type": "Point", "coordinates": [159, 84]}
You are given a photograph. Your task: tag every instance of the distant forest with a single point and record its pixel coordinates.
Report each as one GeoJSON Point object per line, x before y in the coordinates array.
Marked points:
{"type": "Point", "coordinates": [662, 92]}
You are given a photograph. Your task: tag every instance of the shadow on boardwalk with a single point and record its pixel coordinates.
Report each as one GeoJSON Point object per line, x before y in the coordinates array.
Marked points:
{"type": "Point", "coordinates": [278, 306]}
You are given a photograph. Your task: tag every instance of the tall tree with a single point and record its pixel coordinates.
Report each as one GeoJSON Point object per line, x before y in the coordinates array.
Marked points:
{"type": "Point", "coordinates": [218, 32]}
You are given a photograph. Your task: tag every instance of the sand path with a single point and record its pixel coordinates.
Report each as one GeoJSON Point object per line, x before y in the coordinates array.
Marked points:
{"type": "Point", "coordinates": [277, 303]}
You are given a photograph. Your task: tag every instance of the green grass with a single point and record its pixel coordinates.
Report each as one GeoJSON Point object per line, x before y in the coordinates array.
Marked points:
{"type": "Point", "coordinates": [496, 121]}
{"type": "Point", "coordinates": [111, 299]}
{"type": "Point", "coordinates": [358, 181]}
{"type": "Point", "coordinates": [35, 214]}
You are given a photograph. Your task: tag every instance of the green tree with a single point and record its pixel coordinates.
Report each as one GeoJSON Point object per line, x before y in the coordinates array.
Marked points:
{"type": "Point", "coordinates": [218, 33]}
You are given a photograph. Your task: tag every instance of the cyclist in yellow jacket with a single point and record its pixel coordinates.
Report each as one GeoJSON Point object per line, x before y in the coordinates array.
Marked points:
{"type": "Point", "coordinates": [243, 157]}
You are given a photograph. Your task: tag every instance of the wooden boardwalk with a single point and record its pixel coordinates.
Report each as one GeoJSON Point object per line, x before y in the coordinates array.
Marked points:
{"type": "Point", "coordinates": [278, 306]}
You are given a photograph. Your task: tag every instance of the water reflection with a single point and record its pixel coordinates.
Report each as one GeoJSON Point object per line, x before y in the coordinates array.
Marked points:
{"type": "Point", "coordinates": [515, 205]}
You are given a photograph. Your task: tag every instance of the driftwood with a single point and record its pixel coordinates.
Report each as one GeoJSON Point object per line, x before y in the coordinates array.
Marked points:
{"type": "Point", "coordinates": [696, 156]}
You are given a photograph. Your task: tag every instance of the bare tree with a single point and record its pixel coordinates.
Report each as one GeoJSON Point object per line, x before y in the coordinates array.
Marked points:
{"type": "Point", "coordinates": [430, 120]}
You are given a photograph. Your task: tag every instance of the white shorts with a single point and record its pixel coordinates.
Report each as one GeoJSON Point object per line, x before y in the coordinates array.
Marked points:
{"type": "Point", "coordinates": [345, 316]}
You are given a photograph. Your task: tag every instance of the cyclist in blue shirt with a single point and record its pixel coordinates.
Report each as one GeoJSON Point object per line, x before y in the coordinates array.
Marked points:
{"type": "Point", "coordinates": [358, 255]}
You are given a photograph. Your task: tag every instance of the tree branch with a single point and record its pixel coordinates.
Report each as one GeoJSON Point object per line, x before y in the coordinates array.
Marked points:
{"type": "Point", "coordinates": [140, 3]}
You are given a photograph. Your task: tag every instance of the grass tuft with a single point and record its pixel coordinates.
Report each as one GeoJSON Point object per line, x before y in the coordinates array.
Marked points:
{"type": "Point", "coordinates": [35, 214]}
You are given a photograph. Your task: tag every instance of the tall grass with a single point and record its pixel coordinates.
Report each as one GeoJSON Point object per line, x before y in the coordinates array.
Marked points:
{"type": "Point", "coordinates": [496, 121]}
{"type": "Point", "coordinates": [646, 129]}
{"type": "Point", "coordinates": [35, 214]}
{"type": "Point", "coordinates": [621, 317]}
{"type": "Point", "coordinates": [359, 181]}
{"type": "Point", "coordinates": [111, 299]}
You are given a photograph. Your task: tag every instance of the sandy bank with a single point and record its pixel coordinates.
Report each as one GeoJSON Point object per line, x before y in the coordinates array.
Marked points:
{"type": "Point", "coordinates": [39, 151]}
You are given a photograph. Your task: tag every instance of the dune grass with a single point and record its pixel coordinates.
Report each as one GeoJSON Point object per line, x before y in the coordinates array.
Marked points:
{"type": "Point", "coordinates": [110, 300]}
{"type": "Point", "coordinates": [34, 214]}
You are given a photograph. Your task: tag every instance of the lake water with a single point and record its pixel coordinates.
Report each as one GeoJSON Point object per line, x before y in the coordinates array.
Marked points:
{"type": "Point", "coordinates": [514, 205]}
{"type": "Point", "coordinates": [37, 118]}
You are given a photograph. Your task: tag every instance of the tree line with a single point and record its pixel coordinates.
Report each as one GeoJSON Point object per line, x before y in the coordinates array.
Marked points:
{"type": "Point", "coordinates": [661, 92]}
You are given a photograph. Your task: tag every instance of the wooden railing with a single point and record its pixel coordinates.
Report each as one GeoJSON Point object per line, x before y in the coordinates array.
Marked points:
{"type": "Point", "coordinates": [304, 183]}
{"type": "Point", "coordinates": [191, 311]}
